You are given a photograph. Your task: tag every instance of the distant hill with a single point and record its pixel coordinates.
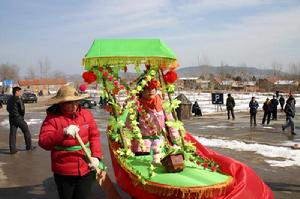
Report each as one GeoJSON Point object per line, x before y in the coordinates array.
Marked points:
{"type": "Point", "coordinates": [196, 71]}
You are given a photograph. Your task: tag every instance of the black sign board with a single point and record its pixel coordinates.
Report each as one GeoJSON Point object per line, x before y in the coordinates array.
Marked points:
{"type": "Point", "coordinates": [217, 98]}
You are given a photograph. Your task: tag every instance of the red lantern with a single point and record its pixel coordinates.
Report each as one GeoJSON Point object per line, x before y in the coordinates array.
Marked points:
{"type": "Point", "coordinates": [170, 77]}
{"type": "Point", "coordinates": [89, 77]}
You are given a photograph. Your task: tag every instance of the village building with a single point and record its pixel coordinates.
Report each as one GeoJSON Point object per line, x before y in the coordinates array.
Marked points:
{"type": "Point", "coordinates": [42, 86]}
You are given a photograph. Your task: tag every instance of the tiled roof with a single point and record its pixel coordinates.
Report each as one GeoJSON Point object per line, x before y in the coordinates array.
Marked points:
{"type": "Point", "coordinates": [31, 82]}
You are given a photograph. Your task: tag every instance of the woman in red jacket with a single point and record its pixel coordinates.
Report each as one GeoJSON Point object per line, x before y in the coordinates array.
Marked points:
{"type": "Point", "coordinates": [65, 117]}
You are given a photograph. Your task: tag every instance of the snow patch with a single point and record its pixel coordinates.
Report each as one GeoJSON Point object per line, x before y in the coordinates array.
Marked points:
{"type": "Point", "coordinates": [291, 157]}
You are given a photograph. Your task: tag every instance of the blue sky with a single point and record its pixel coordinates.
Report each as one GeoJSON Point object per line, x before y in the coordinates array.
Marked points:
{"type": "Point", "coordinates": [255, 33]}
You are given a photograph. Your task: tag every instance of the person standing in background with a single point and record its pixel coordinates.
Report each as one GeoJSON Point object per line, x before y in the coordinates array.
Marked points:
{"type": "Point", "coordinates": [267, 108]}
{"type": "Point", "coordinates": [253, 105]}
{"type": "Point", "coordinates": [274, 103]}
{"type": "Point", "coordinates": [289, 110]}
{"type": "Point", "coordinates": [281, 102]}
{"type": "Point", "coordinates": [230, 104]}
{"type": "Point", "coordinates": [196, 109]}
{"type": "Point", "coordinates": [16, 110]}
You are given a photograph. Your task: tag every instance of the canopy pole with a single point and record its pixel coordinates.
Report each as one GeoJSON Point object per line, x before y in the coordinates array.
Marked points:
{"type": "Point", "coordinates": [113, 99]}
{"type": "Point", "coordinates": [174, 114]}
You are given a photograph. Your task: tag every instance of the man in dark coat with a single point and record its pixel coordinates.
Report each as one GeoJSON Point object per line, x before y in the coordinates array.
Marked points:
{"type": "Point", "coordinates": [16, 109]}
{"type": "Point", "coordinates": [281, 102]}
{"type": "Point", "coordinates": [274, 102]}
{"type": "Point", "coordinates": [267, 107]}
{"type": "Point", "coordinates": [289, 110]}
{"type": "Point", "coordinates": [196, 109]}
{"type": "Point", "coordinates": [230, 104]}
{"type": "Point", "coordinates": [253, 105]}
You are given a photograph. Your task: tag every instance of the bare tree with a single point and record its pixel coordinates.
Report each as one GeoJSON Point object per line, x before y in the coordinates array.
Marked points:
{"type": "Point", "coordinates": [44, 69]}
{"type": "Point", "coordinates": [203, 60]}
{"type": "Point", "coordinates": [44, 66]}
{"type": "Point", "coordinates": [31, 73]}
{"type": "Point", "coordinates": [9, 71]}
{"type": "Point", "coordinates": [276, 67]}
{"type": "Point", "coordinates": [58, 74]}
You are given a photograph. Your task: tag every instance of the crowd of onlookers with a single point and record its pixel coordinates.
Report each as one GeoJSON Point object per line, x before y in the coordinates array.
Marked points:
{"type": "Point", "coordinates": [270, 107]}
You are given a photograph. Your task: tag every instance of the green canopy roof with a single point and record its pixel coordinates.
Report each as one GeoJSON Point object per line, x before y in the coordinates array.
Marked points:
{"type": "Point", "coordinates": [129, 51]}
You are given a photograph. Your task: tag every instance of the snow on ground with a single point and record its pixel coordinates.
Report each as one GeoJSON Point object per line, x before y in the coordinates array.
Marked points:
{"type": "Point", "coordinates": [5, 123]}
{"type": "Point", "coordinates": [290, 156]}
{"type": "Point", "coordinates": [241, 100]}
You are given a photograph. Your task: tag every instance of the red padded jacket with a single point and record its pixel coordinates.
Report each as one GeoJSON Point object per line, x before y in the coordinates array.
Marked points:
{"type": "Point", "coordinates": [52, 134]}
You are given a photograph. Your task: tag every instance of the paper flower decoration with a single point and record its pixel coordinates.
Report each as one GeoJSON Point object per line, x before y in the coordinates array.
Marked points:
{"type": "Point", "coordinates": [105, 74]}
{"type": "Point", "coordinates": [153, 84]}
{"type": "Point", "coordinates": [110, 78]}
{"type": "Point", "coordinates": [170, 77]}
{"type": "Point", "coordinates": [89, 77]}
{"type": "Point", "coordinates": [82, 87]}
{"type": "Point", "coordinates": [101, 69]}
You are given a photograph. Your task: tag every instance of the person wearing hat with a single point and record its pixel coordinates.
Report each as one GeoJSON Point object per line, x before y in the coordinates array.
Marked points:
{"type": "Point", "coordinates": [65, 118]}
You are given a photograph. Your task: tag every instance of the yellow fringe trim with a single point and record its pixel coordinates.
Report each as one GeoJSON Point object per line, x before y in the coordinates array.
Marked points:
{"type": "Point", "coordinates": [173, 191]}
{"type": "Point", "coordinates": [100, 61]}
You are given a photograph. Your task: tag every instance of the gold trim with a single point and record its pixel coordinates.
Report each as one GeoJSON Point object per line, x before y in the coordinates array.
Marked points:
{"type": "Point", "coordinates": [172, 191]}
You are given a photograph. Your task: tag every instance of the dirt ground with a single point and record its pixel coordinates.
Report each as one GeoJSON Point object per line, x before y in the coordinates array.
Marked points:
{"type": "Point", "coordinates": [27, 175]}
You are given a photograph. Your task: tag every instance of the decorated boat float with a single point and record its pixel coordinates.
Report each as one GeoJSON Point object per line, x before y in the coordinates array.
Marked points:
{"type": "Point", "coordinates": [183, 168]}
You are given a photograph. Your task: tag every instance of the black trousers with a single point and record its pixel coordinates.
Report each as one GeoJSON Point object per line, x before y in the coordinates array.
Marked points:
{"type": "Point", "coordinates": [232, 113]}
{"type": "Point", "coordinates": [274, 114]}
{"type": "Point", "coordinates": [74, 187]}
{"type": "Point", "coordinates": [252, 119]}
{"type": "Point", "coordinates": [14, 124]}
{"type": "Point", "coordinates": [265, 116]}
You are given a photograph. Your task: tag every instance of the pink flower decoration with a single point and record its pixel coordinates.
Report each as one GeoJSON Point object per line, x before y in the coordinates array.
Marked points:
{"type": "Point", "coordinates": [101, 69]}
{"type": "Point", "coordinates": [82, 87]}
{"type": "Point", "coordinates": [213, 168]}
{"type": "Point", "coordinates": [105, 74]}
{"type": "Point", "coordinates": [110, 78]}
{"type": "Point", "coordinates": [116, 83]}
{"type": "Point", "coordinates": [122, 87]}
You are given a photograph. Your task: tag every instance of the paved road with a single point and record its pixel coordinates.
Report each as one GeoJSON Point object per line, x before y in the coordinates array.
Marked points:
{"type": "Point", "coordinates": [27, 175]}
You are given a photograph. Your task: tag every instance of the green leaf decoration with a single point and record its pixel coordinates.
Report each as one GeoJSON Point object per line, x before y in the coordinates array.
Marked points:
{"type": "Point", "coordinates": [175, 124]}
{"type": "Point", "coordinates": [190, 147]}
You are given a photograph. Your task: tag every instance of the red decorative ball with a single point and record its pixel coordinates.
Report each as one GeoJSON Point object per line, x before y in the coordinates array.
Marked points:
{"type": "Point", "coordinates": [170, 77]}
{"type": "Point", "coordinates": [82, 87]}
{"type": "Point", "coordinates": [89, 77]}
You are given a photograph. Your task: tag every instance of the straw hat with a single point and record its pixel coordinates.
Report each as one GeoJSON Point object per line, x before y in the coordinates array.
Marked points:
{"type": "Point", "coordinates": [66, 94]}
